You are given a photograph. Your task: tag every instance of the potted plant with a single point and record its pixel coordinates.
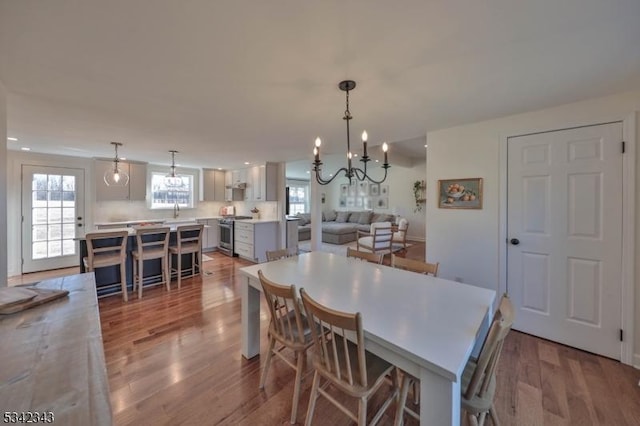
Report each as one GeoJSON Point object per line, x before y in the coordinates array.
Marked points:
{"type": "Point", "coordinates": [418, 194]}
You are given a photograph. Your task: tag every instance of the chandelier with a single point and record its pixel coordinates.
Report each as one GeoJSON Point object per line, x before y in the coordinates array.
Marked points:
{"type": "Point", "coordinates": [349, 171]}
{"type": "Point", "coordinates": [172, 179]}
{"type": "Point", "coordinates": [116, 176]}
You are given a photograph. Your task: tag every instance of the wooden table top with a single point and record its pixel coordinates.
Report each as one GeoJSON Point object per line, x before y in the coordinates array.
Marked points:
{"type": "Point", "coordinates": [52, 359]}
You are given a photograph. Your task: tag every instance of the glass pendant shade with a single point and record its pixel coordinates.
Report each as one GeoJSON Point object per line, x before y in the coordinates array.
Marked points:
{"type": "Point", "coordinates": [116, 175]}
{"type": "Point", "coordinates": [172, 179]}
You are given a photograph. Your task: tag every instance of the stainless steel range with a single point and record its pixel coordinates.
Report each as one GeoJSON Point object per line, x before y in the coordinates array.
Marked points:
{"type": "Point", "coordinates": [226, 225]}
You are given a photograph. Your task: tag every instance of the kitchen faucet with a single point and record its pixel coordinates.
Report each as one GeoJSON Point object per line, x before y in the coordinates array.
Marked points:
{"type": "Point", "coordinates": [176, 210]}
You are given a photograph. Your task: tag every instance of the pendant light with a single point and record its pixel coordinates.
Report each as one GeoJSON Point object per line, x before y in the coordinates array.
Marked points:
{"type": "Point", "coordinates": [116, 175]}
{"type": "Point", "coordinates": [172, 179]}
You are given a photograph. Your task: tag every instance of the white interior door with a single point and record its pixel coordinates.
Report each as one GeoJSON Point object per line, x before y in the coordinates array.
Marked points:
{"type": "Point", "coordinates": [52, 214]}
{"type": "Point", "coordinates": [565, 236]}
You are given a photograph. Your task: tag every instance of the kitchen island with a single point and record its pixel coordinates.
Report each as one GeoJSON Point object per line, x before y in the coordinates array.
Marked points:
{"type": "Point", "coordinates": [107, 279]}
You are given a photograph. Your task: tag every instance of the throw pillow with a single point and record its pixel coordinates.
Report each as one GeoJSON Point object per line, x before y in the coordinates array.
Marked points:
{"type": "Point", "coordinates": [342, 217]}
{"type": "Point", "coordinates": [301, 221]}
{"type": "Point", "coordinates": [365, 218]}
{"type": "Point", "coordinates": [354, 217]}
{"type": "Point", "coordinates": [330, 215]}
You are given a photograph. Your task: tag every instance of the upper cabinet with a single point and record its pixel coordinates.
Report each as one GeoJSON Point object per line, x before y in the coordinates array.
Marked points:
{"type": "Point", "coordinates": [136, 190]}
{"type": "Point", "coordinates": [264, 182]}
{"type": "Point", "coordinates": [213, 185]}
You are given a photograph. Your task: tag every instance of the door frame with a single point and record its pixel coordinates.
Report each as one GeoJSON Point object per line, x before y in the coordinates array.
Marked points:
{"type": "Point", "coordinates": [628, 223]}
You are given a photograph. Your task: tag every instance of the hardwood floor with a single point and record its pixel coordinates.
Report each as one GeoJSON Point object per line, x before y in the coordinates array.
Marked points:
{"type": "Point", "coordinates": [174, 358]}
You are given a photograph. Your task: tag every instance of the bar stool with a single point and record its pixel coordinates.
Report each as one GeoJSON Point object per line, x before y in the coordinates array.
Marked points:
{"type": "Point", "coordinates": [152, 244]}
{"type": "Point", "coordinates": [102, 253]}
{"type": "Point", "coordinates": [189, 240]}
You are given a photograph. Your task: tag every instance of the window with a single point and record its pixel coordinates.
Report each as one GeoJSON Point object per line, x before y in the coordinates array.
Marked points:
{"type": "Point", "coordinates": [163, 197]}
{"type": "Point", "coordinates": [298, 199]}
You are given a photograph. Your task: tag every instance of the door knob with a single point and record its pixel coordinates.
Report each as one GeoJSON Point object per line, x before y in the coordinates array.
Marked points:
{"type": "Point", "coordinates": [79, 225]}
{"type": "Point", "coordinates": [79, 217]}
{"type": "Point", "coordinates": [515, 241]}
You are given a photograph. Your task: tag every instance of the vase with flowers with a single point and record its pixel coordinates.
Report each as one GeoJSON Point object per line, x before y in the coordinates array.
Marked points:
{"type": "Point", "coordinates": [255, 213]}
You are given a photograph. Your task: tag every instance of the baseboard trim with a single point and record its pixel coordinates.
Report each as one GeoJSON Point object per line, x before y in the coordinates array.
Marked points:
{"type": "Point", "coordinates": [416, 239]}
{"type": "Point", "coordinates": [636, 362]}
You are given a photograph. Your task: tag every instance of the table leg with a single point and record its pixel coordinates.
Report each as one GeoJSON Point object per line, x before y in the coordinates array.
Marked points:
{"type": "Point", "coordinates": [250, 317]}
{"type": "Point", "coordinates": [439, 400]}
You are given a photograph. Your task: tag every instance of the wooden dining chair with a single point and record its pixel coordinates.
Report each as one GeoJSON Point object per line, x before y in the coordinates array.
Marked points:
{"type": "Point", "coordinates": [189, 241]}
{"type": "Point", "coordinates": [414, 265]}
{"type": "Point", "coordinates": [341, 361]}
{"type": "Point", "coordinates": [363, 255]}
{"type": "Point", "coordinates": [290, 329]}
{"type": "Point", "coordinates": [152, 244]}
{"type": "Point", "coordinates": [280, 254]}
{"type": "Point", "coordinates": [379, 240]}
{"type": "Point", "coordinates": [108, 249]}
{"type": "Point", "coordinates": [479, 376]}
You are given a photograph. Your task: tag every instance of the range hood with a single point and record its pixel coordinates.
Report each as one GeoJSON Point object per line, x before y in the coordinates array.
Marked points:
{"type": "Point", "coordinates": [237, 185]}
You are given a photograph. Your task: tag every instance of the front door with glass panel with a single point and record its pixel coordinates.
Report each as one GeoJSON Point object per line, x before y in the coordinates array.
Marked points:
{"type": "Point", "coordinates": [52, 215]}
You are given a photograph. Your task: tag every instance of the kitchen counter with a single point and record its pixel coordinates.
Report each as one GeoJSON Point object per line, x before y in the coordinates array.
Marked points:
{"type": "Point", "coordinates": [53, 360]}
{"type": "Point", "coordinates": [173, 227]}
{"type": "Point", "coordinates": [161, 221]}
{"type": "Point", "coordinates": [257, 221]}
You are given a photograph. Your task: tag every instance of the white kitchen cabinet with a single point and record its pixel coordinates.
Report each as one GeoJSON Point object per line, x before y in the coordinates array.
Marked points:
{"type": "Point", "coordinates": [213, 185]}
{"type": "Point", "coordinates": [262, 183]}
{"type": "Point", "coordinates": [253, 239]}
{"type": "Point", "coordinates": [136, 190]}
{"type": "Point", "coordinates": [210, 234]}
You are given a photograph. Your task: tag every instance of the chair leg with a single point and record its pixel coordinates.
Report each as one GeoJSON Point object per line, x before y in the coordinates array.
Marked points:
{"type": "Point", "coordinates": [494, 416]}
{"type": "Point", "coordinates": [312, 399]}
{"type": "Point", "coordinates": [140, 277]}
{"type": "Point", "coordinates": [123, 281]}
{"type": "Point", "coordinates": [362, 412]}
{"type": "Point", "coordinates": [406, 382]}
{"type": "Point", "coordinates": [267, 362]}
{"type": "Point", "coordinates": [473, 420]}
{"type": "Point", "coordinates": [179, 270]}
{"type": "Point", "coordinates": [296, 387]}
{"type": "Point", "coordinates": [135, 274]}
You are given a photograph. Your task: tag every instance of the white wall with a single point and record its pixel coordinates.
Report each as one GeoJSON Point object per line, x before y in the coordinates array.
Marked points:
{"type": "Point", "coordinates": [467, 242]}
{"type": "Point", "coordinates": [3, 186]}
{"type": "Point", "coordinates": [401, 201]}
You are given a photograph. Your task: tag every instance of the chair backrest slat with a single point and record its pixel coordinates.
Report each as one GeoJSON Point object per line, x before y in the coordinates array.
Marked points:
{"type": "Point", "coordinates": [415, 265]}
{"type": "Point", "coordinates": [281, 254]}
{"type": "Point", "coordinates": [150, 238]}
{"type": "Point", "coordinates": [362, 255]}
{"type": "Point", "coordinates": [189, 234]}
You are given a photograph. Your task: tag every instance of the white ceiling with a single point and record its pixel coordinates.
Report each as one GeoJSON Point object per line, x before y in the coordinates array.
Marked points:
{"type": "Point", "coordinates": [230, 81]}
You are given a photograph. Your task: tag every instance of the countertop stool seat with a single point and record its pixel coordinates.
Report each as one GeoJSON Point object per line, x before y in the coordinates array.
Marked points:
{"type": "Point", "coordinates": [153, 243]}
{"type": "Point", "coordinates": [189, 241]}
{"type": "Point", "coordinates": [103, 253]}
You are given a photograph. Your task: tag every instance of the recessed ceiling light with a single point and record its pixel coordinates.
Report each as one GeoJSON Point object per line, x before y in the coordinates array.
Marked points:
{"type": "Point", "coordinates": [355, 155]}
{"type": "Point", "coordinates": [12, 139]}
{"type": "Point", "coordinates": [246, 163]}
{"type": "Point", "coordinates": [377, 161]}
{"type": "Point", "coordinates": [219, 168]}
{"type": "Point", "coordinates": [123, 158]}
{"type": "Point", "coordinates": [308, 172]}
{"type": "Point", "coordinates": [425, 145]}
{"type": "Point", "coordinates": [25, 148]}
{"type": "Point", "coordinates": [330, 174]}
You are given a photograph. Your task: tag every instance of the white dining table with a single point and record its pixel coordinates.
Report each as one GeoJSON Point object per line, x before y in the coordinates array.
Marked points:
{"type": "Point", "coordinates": [424, 325]}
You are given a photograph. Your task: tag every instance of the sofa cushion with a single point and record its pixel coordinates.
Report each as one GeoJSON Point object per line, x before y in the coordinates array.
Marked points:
{"type": "Point", "coordinates": [305, 218]}
{"type": "Point", "coordinates": [365, 218]}
{"type": "Point", "coordinates": [382, 217]}
{"type": "Point", "coordinates": [338, 228]}
{"type": "Point", "coordinates": [354, 217]}
{"type": "Point", "coordinates": [342, 217]}
{"type": "Point", "coordinates": [330, 215]}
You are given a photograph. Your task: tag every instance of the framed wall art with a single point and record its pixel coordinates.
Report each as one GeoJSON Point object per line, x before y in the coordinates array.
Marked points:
{"type": "Point", "coordinates": [460, 193]}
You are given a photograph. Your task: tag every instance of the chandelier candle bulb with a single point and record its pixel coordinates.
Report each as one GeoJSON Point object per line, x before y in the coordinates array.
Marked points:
{"type": "Point", "coordinates": [385, 148]}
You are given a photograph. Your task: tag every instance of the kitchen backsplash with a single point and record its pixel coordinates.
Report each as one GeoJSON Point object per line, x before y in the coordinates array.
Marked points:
{"type": "Point", "coordinates": [118, 211]}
